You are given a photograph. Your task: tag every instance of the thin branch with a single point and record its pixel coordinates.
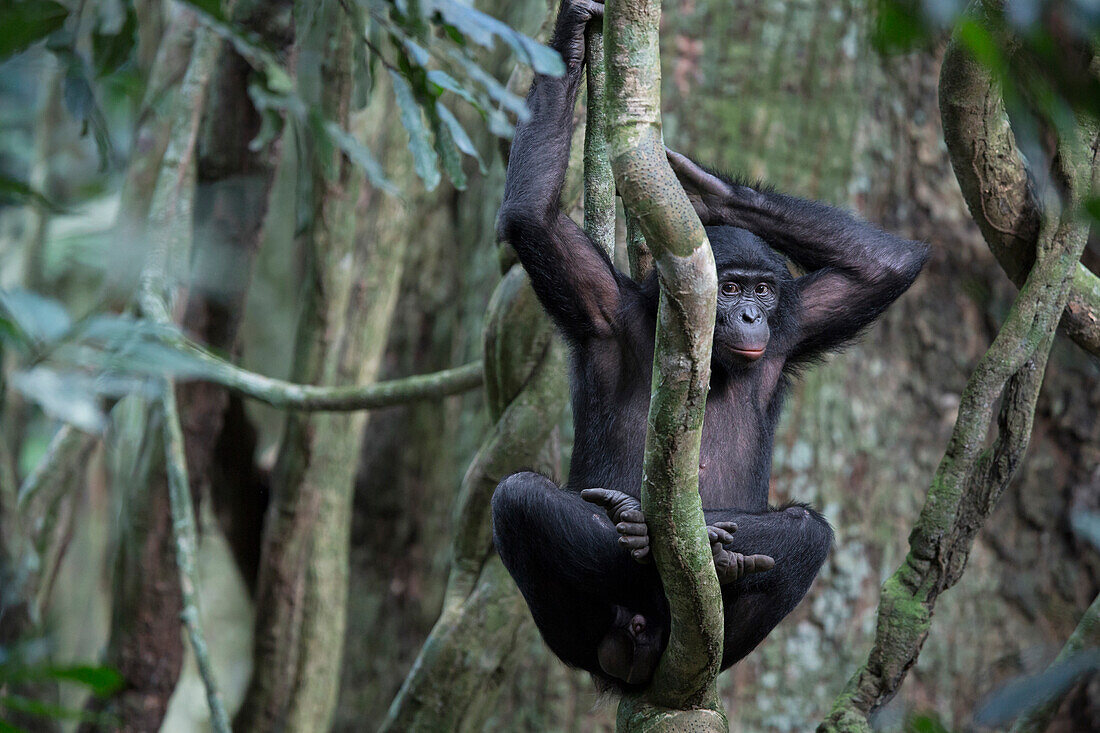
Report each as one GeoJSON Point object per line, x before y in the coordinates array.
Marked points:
{"type": "Point", "coordinates": [183, 528]}
{"type": "Point", "coordinates": [971, 477]}
{"type": "Point", "coordinates": [314, 398]}
{"type": "Point", "coordinates": [599, 181]}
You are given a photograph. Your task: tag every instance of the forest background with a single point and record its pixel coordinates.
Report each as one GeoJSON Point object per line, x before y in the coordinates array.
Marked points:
{"type": "Point", "coordinates": [307, 200]}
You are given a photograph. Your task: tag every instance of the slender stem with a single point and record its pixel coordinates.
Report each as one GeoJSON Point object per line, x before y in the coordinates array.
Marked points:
{"type": "Point", "coordinates": [599, 181]}
{"type": "Point", "coordinates": [312, 398]}
{"type": "Point", "coordinates": [186, 535]}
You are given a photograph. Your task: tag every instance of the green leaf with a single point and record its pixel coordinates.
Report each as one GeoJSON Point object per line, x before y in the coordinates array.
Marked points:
{"type": "Point", "coordinates": [101, 681]}
{"type": "Point", "coordinates": [40, 318]}
{"type": "Point", "coordinates": [210, 8]}
{"type": "Point", "coordinates": [9, 728]}
{"type": "Point", "coordinates": [14, 191]}
{"type": "Point", "coordinates": [512, 102]}
{"type": "Point", "coordinates": [424, 157]}
{"type": "Point", "coordinates": [71, 398]}
{"type": "Point", "coordinates": [25, 22]}
{"type": "Point", "coordinates": [446, 82]}
{"type": "Point", "coordinates": [1028, 692]}
{"type": "Point", "coordinates": [360, 155]}
{"type": "Point", "coordinates": [112, 48]}
{"type": "Point", "coordinates": [1092, 208]}
{"type": "Point", "coordinates": [481, 29]}
{"type": "Point", "coordinates": [982, 46]}
{"type": "Point", "coordinates": [448, 151]}
{"type": "Point", "coordinates": [458, 133]}
{"type": "Point", "coordinates": [81, 102]}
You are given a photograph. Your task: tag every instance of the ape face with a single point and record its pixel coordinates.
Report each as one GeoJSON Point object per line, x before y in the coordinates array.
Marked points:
{"type": "Point", "coordinates": [755, 297]}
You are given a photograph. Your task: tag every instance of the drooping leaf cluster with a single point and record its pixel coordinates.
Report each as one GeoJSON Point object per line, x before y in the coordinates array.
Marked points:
{"type": "Point", "coordinates": [1040, 52]}
{"type": "Point", "coordinates": [71, 367]}
{"type": "Point", "coordinates": [428, 49]}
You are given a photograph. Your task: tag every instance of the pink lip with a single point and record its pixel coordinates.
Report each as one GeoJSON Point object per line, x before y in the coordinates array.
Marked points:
{"type": "Point", "coordinates": [750, 353]}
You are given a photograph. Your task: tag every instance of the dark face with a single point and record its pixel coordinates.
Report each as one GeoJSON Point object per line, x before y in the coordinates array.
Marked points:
{"type": "Point", "coordinates": [752, 282]}
{"type": "Point", "coordinates": [747, 299]}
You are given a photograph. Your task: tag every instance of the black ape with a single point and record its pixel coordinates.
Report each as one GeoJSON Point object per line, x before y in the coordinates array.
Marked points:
{"type": "Point", "coordinates": [597, 603]}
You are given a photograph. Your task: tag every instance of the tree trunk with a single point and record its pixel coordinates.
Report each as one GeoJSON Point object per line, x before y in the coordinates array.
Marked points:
{"type": "Point", "coordinates": [817, 112]}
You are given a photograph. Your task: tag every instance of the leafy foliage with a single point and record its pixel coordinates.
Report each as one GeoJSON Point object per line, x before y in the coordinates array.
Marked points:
{"type": "Point", "coordinates": [430, 49]}
{"type": "Point", "coordinates": [1039, 52]}
{"type": "Point", "coordinates": [25, 664]}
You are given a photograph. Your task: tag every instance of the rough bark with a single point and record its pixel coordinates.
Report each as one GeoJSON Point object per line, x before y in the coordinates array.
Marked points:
{"type": "Point", "coordinates": [347, 303]}
{"type": "Point", "coordinates": [473, 647]}
{"type": "Point", "coordinates": [996, 185]}
{"type": "Point", "coordinates": [971, 478]}
{"type": "Point", "coordinates": [144, 643]}
{"type": "Point", "coordinates": [234, 187]}
{"type": "Point", "coordinates": [683, 691]}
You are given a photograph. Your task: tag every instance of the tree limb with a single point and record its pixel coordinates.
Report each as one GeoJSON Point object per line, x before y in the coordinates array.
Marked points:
{"type": "Point", "coordinates": [187, 540]}
{"type": "Point", "coordinates": [599, 181]}
{"type": "Point", "coordinates": [683, 691]}
{"type": "Point", "coordinates": [319, 398]}
{"type": "Point", "coordinates": [971, 477]}
{"type": "Point", "coordinates": [996, 185]}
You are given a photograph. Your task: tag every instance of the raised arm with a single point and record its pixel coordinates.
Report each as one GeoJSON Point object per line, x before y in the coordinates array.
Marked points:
{"type": "Point", "coordinates": [854, 269]}
{"type": "Point", "coordinates": [574, 280]}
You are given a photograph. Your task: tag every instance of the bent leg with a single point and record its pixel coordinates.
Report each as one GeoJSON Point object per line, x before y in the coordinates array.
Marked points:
{"type": "Point", "coordinates": [564, 555]}
{"type": "Point", "coordinates": [798, 538]}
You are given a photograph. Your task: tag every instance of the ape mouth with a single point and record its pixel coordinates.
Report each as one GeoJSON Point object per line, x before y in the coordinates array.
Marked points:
{"type": "Point", "coordinates": [750, 354]}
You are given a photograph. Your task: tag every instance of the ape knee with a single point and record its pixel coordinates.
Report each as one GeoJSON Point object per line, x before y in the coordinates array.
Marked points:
{"type": "Point", "coordinates": [815, 535]}
{"type": "Point", "coordinates": [512, 503]}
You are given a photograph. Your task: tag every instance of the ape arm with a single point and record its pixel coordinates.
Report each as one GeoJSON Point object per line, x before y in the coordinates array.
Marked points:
{"type": "Point", "coordinates": [574, 280]}
{"type": "Point", "coordinates": [854, 270]}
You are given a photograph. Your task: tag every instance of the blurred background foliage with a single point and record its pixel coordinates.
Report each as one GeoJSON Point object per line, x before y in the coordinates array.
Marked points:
{"type": "Point", "coordinates": [831, 99]}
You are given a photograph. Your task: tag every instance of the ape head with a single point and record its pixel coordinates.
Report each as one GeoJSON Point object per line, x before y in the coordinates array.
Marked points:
{"type": "Point", "coordinates": [757, 298]}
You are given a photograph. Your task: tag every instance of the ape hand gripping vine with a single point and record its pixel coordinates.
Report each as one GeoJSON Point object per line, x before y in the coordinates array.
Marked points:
{"type": "Point", "coordinates": [579, 553]}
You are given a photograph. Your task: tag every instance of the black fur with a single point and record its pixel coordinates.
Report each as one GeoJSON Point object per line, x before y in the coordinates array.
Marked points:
{"type": "Point", "coordinates": [562, 551]}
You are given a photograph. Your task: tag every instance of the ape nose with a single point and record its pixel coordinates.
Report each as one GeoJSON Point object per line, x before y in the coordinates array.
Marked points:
{"type": "Point", "coordinates": [751, 314]}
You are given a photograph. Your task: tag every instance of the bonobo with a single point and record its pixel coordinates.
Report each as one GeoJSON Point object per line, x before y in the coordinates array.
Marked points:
{"type": "Point", "coordinates": [580, 553]}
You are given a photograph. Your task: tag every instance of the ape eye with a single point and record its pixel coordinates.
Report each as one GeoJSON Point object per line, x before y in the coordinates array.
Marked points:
{"type": "Point", "coordinates": [763, 289]}
{"type": "Point", "coordinates": [730, 288]}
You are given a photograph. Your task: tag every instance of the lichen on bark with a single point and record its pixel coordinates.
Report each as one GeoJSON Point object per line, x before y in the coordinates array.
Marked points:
{"type": "Point", "coordinates": [683, 691]}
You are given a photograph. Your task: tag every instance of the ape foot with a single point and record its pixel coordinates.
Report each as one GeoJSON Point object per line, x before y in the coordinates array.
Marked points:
{"type": "Point", "coordinates": [626, 513]}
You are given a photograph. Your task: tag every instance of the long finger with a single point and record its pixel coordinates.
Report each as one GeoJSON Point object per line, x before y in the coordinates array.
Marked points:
{"type": "Point", "coordinates": [603, 497]}
{"type": "Point", "coordinates": [633, 542]}
{"type": "Point", "coordinates": [758, 563]}
{"type": "Point", "coordinates": [691, 174]}
{"type": "Point", "coordinates": [632, 528]}
{"type": "Point", "coordinates": [718, 534]}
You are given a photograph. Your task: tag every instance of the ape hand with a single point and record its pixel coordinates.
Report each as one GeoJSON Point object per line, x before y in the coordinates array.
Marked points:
{"type": "Point", "coordinates": [708, 193]}
{"type": "Point", "coordinates": [731, 566]}
{"type": "Point", "coordinates": [625, 513]}
{"type": "Point", "coordinates": [568, 38]}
